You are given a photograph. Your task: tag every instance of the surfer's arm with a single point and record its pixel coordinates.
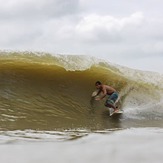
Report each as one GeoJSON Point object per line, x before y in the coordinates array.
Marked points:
{"type": "Point", "coordinates": [104, 94]}
{"type": "Point", "coordinates": [99, 91]}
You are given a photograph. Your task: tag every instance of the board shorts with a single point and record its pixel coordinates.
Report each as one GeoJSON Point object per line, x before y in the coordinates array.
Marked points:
{"type": "Point", "coordinates": [111, 99]}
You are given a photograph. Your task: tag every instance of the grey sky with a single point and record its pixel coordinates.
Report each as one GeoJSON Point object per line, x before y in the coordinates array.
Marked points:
{"type": "Point", "coordinates": [127, 32]}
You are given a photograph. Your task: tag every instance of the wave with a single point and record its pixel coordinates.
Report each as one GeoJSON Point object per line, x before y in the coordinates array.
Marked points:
{"type": "Point", "coordinates": [44, 91]}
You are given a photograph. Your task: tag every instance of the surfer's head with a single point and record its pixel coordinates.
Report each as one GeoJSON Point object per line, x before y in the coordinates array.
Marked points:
{"type": "Point", "coordinates": [98, 84]}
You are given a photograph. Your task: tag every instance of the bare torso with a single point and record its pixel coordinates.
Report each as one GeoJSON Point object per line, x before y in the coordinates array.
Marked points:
{"type": "Point", "coordinates": [107, 89]}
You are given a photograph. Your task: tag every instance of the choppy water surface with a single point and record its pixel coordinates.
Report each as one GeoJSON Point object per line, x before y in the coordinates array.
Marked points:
{"type": "Point", "coordinates": [127, 145]}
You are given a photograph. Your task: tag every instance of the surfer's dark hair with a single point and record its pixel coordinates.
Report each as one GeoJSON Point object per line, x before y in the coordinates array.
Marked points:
{"type": "Point", "coordinates": [98, 83]}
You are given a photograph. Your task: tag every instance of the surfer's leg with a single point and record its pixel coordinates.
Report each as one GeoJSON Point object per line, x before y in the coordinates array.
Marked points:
{"type": "Point", "coordinates": [111, 101]}
{"type": "Point", "coordinates": [111, 106]}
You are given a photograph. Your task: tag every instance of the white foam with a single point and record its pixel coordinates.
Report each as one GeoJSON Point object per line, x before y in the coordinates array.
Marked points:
{"type": "Point", "coordinates": [142, 76]}
{"type": "Point", "coordinates": [80, 62]}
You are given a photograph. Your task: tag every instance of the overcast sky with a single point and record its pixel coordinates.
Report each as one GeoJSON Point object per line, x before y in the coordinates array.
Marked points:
{"type": "Point", "coordinates": [126, 32]}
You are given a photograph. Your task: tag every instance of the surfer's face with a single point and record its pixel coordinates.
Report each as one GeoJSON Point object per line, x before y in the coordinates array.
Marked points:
{"type": "Point", "coordinates": [98, 86]}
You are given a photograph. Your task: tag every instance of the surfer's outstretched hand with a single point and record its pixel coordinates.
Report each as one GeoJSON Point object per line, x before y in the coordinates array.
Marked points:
{"type": "Point", "coordinates": [97, 99]}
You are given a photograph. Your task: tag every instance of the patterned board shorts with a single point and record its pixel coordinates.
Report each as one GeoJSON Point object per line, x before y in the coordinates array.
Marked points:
{"type": "Point", "coordinates": [111, 99]}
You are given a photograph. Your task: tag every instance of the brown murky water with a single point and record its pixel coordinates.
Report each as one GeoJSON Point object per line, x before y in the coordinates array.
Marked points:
{"type": "Point", "coordinates": [47, 113]}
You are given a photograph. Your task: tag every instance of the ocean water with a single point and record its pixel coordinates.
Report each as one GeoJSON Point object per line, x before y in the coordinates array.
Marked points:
{"type": "Point", "coordinates": [47, 113]}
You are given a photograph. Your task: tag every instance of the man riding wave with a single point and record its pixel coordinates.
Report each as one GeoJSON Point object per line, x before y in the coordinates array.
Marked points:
{"type": "Point", "coordinates": [107, 90]}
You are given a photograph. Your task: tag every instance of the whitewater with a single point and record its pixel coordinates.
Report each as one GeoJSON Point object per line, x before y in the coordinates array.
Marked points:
{"type": "Point", "coordinates": [46, 108]}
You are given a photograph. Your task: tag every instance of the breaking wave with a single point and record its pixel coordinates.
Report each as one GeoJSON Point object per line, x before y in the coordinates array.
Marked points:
{"type": "Point", "coordinates": [43, 91]}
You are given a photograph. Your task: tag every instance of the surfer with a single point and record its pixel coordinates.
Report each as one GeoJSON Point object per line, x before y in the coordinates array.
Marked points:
{"type": "Point", "coordinates": [107, 90]}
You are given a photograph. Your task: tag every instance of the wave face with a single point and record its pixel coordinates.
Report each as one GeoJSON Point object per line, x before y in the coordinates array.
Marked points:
{"type": "Point", "coordinates": [49, 92]}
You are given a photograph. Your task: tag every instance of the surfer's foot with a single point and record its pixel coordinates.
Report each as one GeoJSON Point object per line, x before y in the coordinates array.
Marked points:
{"type": "Point", "coordinates": [116, 110]}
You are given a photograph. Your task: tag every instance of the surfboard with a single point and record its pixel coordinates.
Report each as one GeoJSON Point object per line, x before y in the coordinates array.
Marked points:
{"type": "Point", "coordinates": [116, 113]}
{"type": "Point", "coordinates": [94, 93]}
